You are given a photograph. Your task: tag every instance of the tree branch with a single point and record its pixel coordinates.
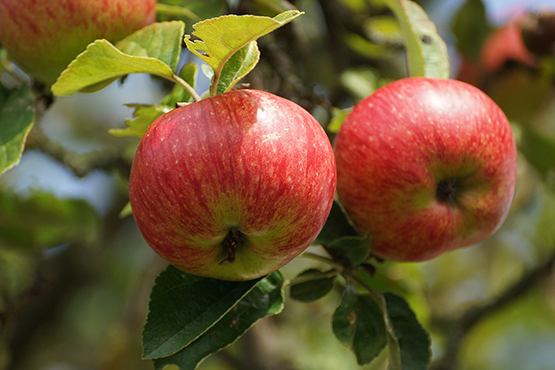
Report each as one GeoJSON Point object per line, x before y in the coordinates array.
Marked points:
{"type": "Point", "coordinates": [457, 329]}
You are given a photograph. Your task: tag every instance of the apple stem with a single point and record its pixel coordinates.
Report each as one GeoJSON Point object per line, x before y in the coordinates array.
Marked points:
{"type": "Point", "coordinates": [186, 86]}
{"type": "Point", "coordinates": [232, 240]}
{"type": "Point", "coordinates": [320, 258]}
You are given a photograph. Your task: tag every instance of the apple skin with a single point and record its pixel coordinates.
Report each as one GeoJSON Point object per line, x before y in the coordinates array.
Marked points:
{"type": "Point", "coordinates": [245, 162]}
{"type": "Point", "coordinates": [43, 37]}
{"type": "Point", "coordinates": [425, 166]}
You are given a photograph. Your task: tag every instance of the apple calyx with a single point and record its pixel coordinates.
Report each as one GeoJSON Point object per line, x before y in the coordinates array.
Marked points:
{"type": "Point", "coordinates": [447, 190]}
{"type": "Point", "coordinates": [234, 239]}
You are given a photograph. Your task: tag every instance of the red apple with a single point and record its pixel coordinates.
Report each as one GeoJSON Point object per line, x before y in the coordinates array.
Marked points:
{"type": "Point", "coordinates": [425, 166]}
{"type": "Point", "coordinates": [505, 44]}
{"type": "Point", "coordinates": [234, 186]}
{"type": "Point", "coordinates": [43, 37]}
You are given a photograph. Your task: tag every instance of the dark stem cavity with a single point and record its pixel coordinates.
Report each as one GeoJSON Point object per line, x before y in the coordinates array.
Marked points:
{"type": "Point", "coordinates": [232, 240]}
{"type": "Point", "coordinates": [447, 190]}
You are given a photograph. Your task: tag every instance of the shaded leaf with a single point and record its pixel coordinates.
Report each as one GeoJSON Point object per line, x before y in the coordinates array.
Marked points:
{"type": "Point", "coordinates": [43, 220]}
{"type": "Point", "coordinates": [183, 307]}
{"type": "Point", "coordinates": [426, 50]}
{"type": "Point", "coordinates": [16, 120]}
{"type": "Point", "coordinates": [265, 299]}
{"type": "Point", "coordinates": [471, 27]}
{"type": "Point", "coordinates": [539, 150]}
{"type": "Point", "coordinates": [143, 116]}
{"type": "Point", "coordinates": [314, 289]}
{"type": "Point", "coordinates": [337, 226]}
{"type": "Point", "coordinates": [353, 250]}
{"type": "Point", "coordinates": [358, 323]}
{"type": "Point", "coordinates": [410, 347]}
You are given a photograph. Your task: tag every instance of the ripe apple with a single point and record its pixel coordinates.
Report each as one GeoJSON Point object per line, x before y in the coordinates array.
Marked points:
{"type": "Point", "coordinates": [43, 37]}
{"type": "Point", "coordinates": [234, 186]}
{"type": "Point", "coordinates": [504, 44]}
{"type": "Point", "coordinates": [425, 166]}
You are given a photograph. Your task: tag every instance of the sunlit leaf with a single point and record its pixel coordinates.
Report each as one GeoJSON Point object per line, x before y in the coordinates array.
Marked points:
{"type": "Point", "coordinates": [178, 94]}
{"type": "Point", "coordinates": [183, 307]}
{"type": "Point", "coordinates": [152, 50]}
{"type": "Point", "coordinates": [16, 120]}
{"type": "Point", "coordinates": [160, 41]}
{"type": "Point", "coordinates": [337, 118]}
{"type": "Point", "coordinates": [143, 116]}
{"type": "Point", "coordinates": [238, 66]}
{"type": "Point", "coordinates": [426, 50]}
{"type": "Point", "coordinates": [220, 38]}
{"type": "Point", "coordinates": [265, 299]}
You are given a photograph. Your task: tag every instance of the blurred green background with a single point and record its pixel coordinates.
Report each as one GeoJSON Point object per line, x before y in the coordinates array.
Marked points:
{"type": "Point", "coordinates": [75, 277]}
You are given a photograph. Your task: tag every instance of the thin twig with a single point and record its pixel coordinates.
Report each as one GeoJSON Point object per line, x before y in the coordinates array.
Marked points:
{"type": "Point", "coordinates": [457, 329]}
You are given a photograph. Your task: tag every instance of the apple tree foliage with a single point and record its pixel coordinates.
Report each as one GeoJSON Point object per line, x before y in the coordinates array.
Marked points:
{"type": "Point", "coordinates": [189, 317]}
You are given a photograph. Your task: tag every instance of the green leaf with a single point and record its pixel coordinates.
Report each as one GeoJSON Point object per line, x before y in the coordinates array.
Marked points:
{"type": "Point", "coordinates": [353, 250]}
{"type": "Point", "coordinates": [42, 220]}
{"type": "Point", "coordinates": [178, 94]}
{"type": "Point", "coordinates": [311, 290]}
{"type": "Point", "coordinates": [358, 323]}
{"type": "Point", "coordinates": [16, 120]}
{"type": "Point", "coordinates": [265, 299]}
{"type": "Point", "coordinates": [539, 150]}
{"type": "Point", "coordinates": [337, 226]}
{"type": "Point", "coordinates": [152, 50]}
{"type": "Point", "coordinates": [182, 307]}
{"type": "Point", "coordinates": [368, 48]}
{"type": "Point", "coordinates": [384, 29]}
{"type": "Point", "coordinates": [238, 66]}
{"type": "Point", "coordinates": [161, 41]}
{"type": "Point", "coordinates": [143, 116]}
{"type": "Point", "coordinates": [337, 118]}
{"type": "Point", "coordinates": [409, 349]}
{"type": "Point", "coordinates": [426, 50]}
{"type": "Point", "coordinates": [471, 27]}
{"type": "Point", "coordinates": [220, 38]}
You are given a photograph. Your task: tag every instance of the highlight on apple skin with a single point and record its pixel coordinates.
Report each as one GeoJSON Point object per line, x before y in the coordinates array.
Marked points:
{"type": "Point", "coordinates": [43, 37]}
{"type": "Point", "coordinates": [425, 166]}
{"type": "Point", "coordinates": [233, 187]}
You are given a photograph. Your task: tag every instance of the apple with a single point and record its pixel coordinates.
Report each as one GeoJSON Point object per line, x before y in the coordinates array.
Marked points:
{"type": "Point", "coordinates": [504, 44]}
{"type": "Point", "coordinates": [234, 186]}
{"type": "Point", "coordinates": [43, 37]}
{"type": "Point", "coordinates": [425, 166]}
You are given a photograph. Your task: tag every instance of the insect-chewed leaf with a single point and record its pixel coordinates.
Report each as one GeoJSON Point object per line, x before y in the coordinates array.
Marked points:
{"type": "Point", "coordinates": [265, 299]}
{"type": "Point", "coordinates": [220, 38]}
{"type": "Point", "coordinates": [313, 289]}
{"type": "Point", "coordinates": [426, 50]}
{"type": "Point", "coordinates": [410, 349]}
{"type": "Point", "coordinates": [359, 324]}
{"type": "Point", "coordinates": [143, 116]}
{"type": "Point", "coordinates": [16, 120]}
